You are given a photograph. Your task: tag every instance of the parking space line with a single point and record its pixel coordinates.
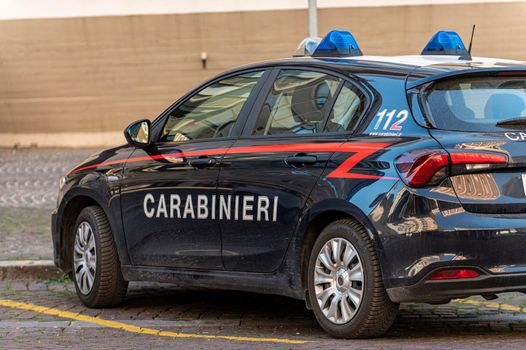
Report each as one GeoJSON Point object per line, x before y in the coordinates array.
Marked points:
{"type": "Point", "coordinates": [136, 329]}
{"type": "Point", "coordinates": [504, 307]}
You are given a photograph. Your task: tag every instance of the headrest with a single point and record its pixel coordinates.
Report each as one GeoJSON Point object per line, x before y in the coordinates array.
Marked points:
{"type": "Point", "coordinates": [308, 101]}
{"type": "Point", "coordinates": [504, 106]}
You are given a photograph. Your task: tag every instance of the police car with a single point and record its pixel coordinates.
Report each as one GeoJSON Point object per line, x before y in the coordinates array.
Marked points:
{"type": "Point", "coordinates": [353, 182]}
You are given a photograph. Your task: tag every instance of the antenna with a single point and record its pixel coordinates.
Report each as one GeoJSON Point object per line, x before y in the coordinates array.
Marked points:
{"type": "Point", "coordinates": [471, 40]}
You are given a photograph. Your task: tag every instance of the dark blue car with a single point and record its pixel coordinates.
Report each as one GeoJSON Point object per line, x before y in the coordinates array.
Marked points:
{"type": "Point", "coordinates": [352, 182]}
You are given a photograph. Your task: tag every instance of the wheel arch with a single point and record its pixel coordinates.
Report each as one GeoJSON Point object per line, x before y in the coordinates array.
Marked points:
{"type": "Point", "coordinates": [72, 204]}
{"type": "Point", "coordinates": [321, 215]}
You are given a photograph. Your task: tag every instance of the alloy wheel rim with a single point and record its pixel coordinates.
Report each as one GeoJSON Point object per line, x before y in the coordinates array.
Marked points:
{"type": "Point", "coordinates": [85, 257]}
{"type": "Point", "coordinates": [338, 280]}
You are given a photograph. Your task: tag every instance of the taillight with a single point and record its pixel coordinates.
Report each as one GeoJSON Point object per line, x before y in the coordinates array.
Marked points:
{"type": "Point", "coordinates": [481, 160]}
{"type": "Point", "coordinates": [426, 168]}
{"type": "Point", "coordinates": [418, 169]}
{"type": "Point", "coordinates": [452, 274]}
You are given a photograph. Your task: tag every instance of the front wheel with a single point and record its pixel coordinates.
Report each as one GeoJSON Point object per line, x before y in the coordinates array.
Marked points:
{"type": "Point", "coordinates": [345, 283]}
{"type": "Point", "coordinates": [95, 264]}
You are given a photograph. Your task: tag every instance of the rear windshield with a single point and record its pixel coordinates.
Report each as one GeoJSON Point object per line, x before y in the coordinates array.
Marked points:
{"type": "Point", "coordinates": [477, 103]}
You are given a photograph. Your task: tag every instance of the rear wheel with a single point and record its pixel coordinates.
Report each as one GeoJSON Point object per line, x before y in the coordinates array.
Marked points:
{"type": "Point", "coordinates": [95, 264]}
{"type": "Point", "coordinates": [345, 283]}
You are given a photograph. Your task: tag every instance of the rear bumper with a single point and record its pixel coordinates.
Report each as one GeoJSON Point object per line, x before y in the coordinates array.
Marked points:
{"type": "Point", "coordinates": [440, 291]}
{"type": "Point", "coordinates": [422, 230]}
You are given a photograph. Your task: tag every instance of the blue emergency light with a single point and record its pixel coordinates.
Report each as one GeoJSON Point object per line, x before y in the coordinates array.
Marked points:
{"type": "Point", "coordinates": [446, 43]}
{"type": "Point", "coordinates": [337, 43]}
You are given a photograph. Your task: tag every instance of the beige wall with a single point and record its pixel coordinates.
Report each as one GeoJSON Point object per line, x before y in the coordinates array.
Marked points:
{"type": "Point", "coordinates": [63, 79]}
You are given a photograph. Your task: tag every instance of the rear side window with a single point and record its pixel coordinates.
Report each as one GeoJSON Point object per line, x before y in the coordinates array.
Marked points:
{"type": "Point", "coordinates": [348, 107]}
{"type": "Point", "coordinates": [296, 103]}
{"type": "Point", "coordinates": [476, 103]}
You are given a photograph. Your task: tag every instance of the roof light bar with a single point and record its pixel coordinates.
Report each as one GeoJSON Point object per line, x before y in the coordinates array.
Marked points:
{"type": "Point", "coordinates": [337, 43]}
{"type": "Point", "coordinates": [446, 43]}
{"type": "Point", "coordinates": [306, 47]}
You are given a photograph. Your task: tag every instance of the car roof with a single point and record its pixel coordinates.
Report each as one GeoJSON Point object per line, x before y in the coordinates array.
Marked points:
{"type": "Point", "coordinates": [418, 69]}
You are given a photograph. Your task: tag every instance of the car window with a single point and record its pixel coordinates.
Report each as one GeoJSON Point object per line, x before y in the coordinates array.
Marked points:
{"type": "Point", "coordinates": [348, 106]}
{"type": "Point", "coordinates": [296, 103]}
{"type": "Point", "coordinates": [476, 103]}
{"type": "Point", "coordinates": [212, 112]}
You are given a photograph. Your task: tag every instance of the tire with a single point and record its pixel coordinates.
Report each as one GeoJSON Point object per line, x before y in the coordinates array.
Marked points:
{"type": "Point", "coordinates": [108, 287]}
{"type": "Point", "coordinates": [374, 313]}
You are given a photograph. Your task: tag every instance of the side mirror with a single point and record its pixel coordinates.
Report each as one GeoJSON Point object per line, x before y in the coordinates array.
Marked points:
{"type": "Point", "coordinates": [138, 133]}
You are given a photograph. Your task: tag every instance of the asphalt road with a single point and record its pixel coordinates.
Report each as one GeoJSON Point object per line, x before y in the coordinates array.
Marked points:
{"type": "Point", "coordinates": [159, 316]}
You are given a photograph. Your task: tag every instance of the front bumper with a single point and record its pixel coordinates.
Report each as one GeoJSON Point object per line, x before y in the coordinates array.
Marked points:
{"type": "Point", "coordinates": [443, 290]}
{"type": "Point", "coordinates": [55, 235]}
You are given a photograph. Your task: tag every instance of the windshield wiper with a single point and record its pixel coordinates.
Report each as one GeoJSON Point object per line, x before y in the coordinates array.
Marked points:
{"type": "Point", "coordinates": [520, 121]}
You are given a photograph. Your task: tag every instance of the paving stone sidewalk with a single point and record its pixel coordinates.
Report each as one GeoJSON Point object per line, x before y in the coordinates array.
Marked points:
{"type": "Point", "coordinates": [419, 326]}
{"type": "Point", "coordinates": [28, 187]}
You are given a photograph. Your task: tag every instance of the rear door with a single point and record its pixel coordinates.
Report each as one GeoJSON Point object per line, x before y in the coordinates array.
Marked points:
{"type": "Point", "coordinates": [483, 116]}
{"type": "Point", "coordinates": [268, 174]}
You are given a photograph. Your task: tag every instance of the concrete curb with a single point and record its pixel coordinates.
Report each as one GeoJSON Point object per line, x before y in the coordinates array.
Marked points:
{"type": "Point", "coordinates": [28, 269]}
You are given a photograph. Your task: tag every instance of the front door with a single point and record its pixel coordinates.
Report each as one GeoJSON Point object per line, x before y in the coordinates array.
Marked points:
{"type": "Point", "coordinates": [169, 188]}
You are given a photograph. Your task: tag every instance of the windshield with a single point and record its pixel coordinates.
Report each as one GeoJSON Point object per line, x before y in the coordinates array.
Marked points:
{"type": "Point", "coordinates": [477, 103]}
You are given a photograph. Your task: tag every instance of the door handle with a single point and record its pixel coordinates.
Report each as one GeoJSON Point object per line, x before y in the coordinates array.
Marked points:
{"type": "Point", "coordinates": [202, 162]}
{"type": "Point", "coordinates": [301, 159]}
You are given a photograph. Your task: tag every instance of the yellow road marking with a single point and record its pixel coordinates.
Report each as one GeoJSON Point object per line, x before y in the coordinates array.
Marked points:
{"type": "Point", "coordinates": [136, 329]}
{"type": "Point", "coordinates": [504, 307]}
